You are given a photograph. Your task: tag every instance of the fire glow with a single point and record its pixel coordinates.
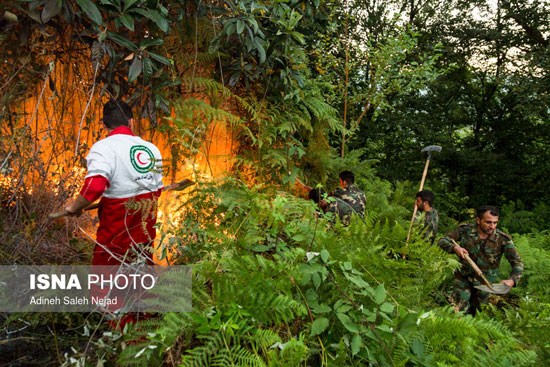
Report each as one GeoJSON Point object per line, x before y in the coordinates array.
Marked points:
{"type": "Point", "coordinates": [54, 133]}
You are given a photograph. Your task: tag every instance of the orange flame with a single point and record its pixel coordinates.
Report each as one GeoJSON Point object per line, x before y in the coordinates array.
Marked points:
{"type": "Point", "coordinates": [54, 131]}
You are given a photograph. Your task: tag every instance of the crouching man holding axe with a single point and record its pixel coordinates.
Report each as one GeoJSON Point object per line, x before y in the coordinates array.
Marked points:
{"type": "Point", "coordinates": [126, 172]}
{"type": "Point", "coordinates": [480, 247]}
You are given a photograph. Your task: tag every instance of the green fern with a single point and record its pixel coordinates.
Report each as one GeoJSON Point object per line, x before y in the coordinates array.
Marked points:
{"type": "Point", "coordinates": [476, 341]}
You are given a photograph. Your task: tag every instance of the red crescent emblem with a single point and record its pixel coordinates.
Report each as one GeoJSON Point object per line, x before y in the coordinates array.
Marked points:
{"type": "Point", "coordinates": [137, 158]}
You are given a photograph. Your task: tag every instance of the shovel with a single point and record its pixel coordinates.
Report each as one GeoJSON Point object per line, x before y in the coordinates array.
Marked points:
{"type": "Point", "coordinates": [495, 288]}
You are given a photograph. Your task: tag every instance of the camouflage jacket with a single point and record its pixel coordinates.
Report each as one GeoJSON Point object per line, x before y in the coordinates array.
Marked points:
{"type": "Point", "coordinates": [431, 223]}
{"type": "Point", "coordinates": [340, 208]}
{"type": "Point", "coordinates": [354, 197]}
{"type": "Point", "coordinates": [486, 253]}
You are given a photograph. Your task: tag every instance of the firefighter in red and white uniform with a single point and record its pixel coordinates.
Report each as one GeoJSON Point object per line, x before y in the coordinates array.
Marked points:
{"type": "Point", "coordinates": [126, 172]}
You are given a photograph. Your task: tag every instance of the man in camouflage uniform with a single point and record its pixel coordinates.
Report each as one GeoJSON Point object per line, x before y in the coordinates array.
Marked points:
{"type": "Point", "coordinates": [350, 193]}
{"type": "Point", "coordinates": [485, 244]}
{"type": "Point", "coordinates": [340, 208]}
{"type": "Point", "coordinates": [424, 203]}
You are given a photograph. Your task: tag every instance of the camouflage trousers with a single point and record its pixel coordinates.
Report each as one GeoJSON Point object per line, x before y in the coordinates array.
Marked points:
{"type": "Point", "coordinates": [466, 297]}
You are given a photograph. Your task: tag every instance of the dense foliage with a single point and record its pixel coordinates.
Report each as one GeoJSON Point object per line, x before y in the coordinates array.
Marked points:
{"type": "Point", "coordinates": [308, 88]}
{"type": "Point", "coordinates": [489, 111]}
{"type": "Point", "coordinates": [278, 285]}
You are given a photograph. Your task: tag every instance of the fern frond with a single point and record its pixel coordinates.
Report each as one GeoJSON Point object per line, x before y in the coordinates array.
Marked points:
{"type": "Point", "coordinates": [237, 356]}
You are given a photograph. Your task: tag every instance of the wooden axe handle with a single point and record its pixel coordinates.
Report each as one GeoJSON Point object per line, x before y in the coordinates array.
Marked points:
{"type": "Point", "coordinates": [419, 189]}
{"type": "Point", "coordinates": [179, 185]}
{"type": "Point", "coordinates": [65, 213]}
{"type": "Point", "coordinates": [58, 214]}
{"type": "Point", "coordinates": [175, 186]}
{"type": "Point", "coordinates": [475, 267]}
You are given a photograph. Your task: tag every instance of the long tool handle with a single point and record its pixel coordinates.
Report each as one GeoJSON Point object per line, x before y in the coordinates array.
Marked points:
{"type": "Point", "coordinates": [425, 173]}
{"type": "Point", "coordinates": [58, 214]}
{"type": "Point", "coordinates": [420, 189]}
{"type": "Point", "coordinates": [175, 186]}
{"type": "Point", "coordinates": [64, 212]}
{"type": "Point", "coordinates": [476, 268]}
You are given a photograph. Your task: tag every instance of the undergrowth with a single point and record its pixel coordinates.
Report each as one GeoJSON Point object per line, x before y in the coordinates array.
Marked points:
{"type": "Point", "coordinates": [278, 284]}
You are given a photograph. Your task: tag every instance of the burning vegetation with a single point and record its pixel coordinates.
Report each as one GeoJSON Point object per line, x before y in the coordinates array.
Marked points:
{"type": "Point", "coordinates": [44, 142]}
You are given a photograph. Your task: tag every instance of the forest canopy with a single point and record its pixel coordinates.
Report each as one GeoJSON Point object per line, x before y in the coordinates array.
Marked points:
{"type": "Point", "coordinates": [294, 92]}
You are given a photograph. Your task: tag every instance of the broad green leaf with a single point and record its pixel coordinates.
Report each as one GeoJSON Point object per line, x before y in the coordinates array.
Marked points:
{"type": "Point", "coordinates": [385, 316]}
{"type": "Point", "coordinates": [151, 42]}
{"type": "Point", "coordinates": [385, 328]}
{"type": "Point", "coordinates": [127, 21]}
{"type": "Point", "coordinates": [298, 37]}
{"type": "Point", "coordinates": [358, 281]}
{"type": "Point", "coordinates": [325, 255]}
{"type": "Point", "coordinates": [159, 20]}
{"type": "Point", "coordinates": [260, 49]}
{"type": "Point", "coordinates": [386, 307]}
{"type": "Point", "coordinates": [128, 4]}
{"type": "Point", "coordinates": [160, 59]}
{"type": "Point", "coordinates": [356, 344]}
{"type": "Point", "coordinates": [114, 3]}
{"type": "Point", "coordinates": [155, 16]}
{"type": "Point", "coordinates": [379, 294]}
{"type": "Point", "coordinates": [240, 26]}
{"type": "Point", "coordinates": [343, 308]}
{"type": "Point", "coordinates": [147, 70]}
{"type": "Point", "coordinates": [319, 326]}
{"type": "Point", "coordinates": [135, 69]}
{"type": "Point", "coordinates": [250, 34]}
{"type": "Point", "coordinates": [249, 43]}
{"type": "Point", "coordinates": [322, 308]}
{"type": "Point", "coordinates": [346, 321]}
{"type": "Point", "coordinates": [295, 19]}
{"type": "Point", "coordinates": [121, 40]}
{"type": "Point", "coordinates": [299, 238]}
{"type": "Point", "coordinates": [347, 265]}
{"type": "Point", "coordinates": [162, 9]}
{"type": "Point", "coordinates": [254, 24]}
{"type": "Point", "coordinates": [91, 11]}
{"type": "Point", "coordinates": [143, 12]}
{"type": "Point", "coordinates": [306, 278]}
{"type": "Point", "coordinates": [230, 29]}
{"type": "Point", "coordinates": [316, 280]}
{"type": "Point", "coordinates": [371, 316]}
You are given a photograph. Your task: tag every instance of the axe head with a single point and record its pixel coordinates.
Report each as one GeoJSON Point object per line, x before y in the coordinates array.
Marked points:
{"type": "Point", "coordinates": [496, 288]}
{"type": "Point", "coordinates": [431, 148]}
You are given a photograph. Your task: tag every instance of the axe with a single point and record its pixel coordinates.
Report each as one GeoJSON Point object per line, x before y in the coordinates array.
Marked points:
{"type": "Point", "coordinates": [429, 149]}
{"type": "Point", "coordinates": [178, 186]}
{"type": "Point", "coordinates": [495, 288]}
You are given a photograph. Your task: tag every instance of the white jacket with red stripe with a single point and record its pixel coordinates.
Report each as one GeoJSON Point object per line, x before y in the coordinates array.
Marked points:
{"type": "Point", "coordinates": [127, 211]}
{"type": "Point", "coordinates": [132, 165]}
